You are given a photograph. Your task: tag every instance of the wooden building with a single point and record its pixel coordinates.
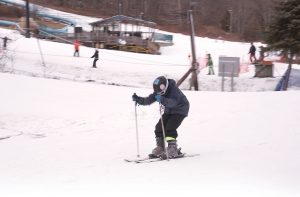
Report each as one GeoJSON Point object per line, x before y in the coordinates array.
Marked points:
{"type": "Point", "coordinates": [123, 33]}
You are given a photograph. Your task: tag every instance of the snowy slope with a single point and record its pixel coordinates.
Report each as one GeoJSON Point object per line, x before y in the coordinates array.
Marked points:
{"type": "Point", "coordinates": [71, 138]}
{"type": "Point", "coordinates": [68, 137]}
{"type": "Point", "coordinates": [174, 62]}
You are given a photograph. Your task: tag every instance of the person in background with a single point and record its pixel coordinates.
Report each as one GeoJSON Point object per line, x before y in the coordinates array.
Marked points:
{"type": "Point", "coordinates": [210, 65]}
{"type": "Point", "coordinates": [76, 47]}
{"type": "Point", "coordinates": [96, 58]}
{"type": "Point", "coordinates": [252, 51]}
{"type": "Point", "coordinates": [5, 40]}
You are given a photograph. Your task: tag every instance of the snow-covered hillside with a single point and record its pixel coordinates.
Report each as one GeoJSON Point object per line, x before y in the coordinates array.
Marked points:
{"type": "Point", "coordinates": [55, 60]}
{"type": "Point", "coordinates": [69, 137]}
{"type": "Point", "coordinates": [60, 138]}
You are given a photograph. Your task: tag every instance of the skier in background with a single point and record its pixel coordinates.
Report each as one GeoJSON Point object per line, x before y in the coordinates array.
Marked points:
{"type": "Point", "coordinates": [176, 108]}
{"type": "Point", "coordinates": [76, 46]}
{"type": "Point", "coordinates": [252, 51]}
{"type": "Point", "coordinates": [210, 65]}
{"type": "Point", "coordinates": [96, 57]}
{"type": "Point", "coordinates": [5, 40]}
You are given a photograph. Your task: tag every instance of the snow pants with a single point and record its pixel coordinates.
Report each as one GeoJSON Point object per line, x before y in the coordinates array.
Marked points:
{"type": "Point", "coordinates": [211, 70]}
{"type": "Point", "coordinates": [171, 124]}
{"type": "Point", "coordinates": [94, 63]}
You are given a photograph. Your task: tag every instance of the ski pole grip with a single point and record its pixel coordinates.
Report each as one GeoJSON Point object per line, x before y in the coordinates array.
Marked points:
{"type": "Point", "coordinates": [134, 94]}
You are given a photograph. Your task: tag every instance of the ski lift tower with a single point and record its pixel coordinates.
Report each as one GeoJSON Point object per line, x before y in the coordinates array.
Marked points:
{"type": "Point", "coordinates": [195, 65]}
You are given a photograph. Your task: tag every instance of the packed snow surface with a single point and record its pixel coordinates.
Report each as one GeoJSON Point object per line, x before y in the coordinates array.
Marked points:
{"type": "Point", "coordinates": [66, 128]}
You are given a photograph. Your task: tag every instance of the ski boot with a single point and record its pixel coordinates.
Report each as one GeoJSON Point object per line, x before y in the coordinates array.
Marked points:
{"type": "Point", "coordinates": [159, 149]}
{"type": "Point", "coordinates": [172, 150]}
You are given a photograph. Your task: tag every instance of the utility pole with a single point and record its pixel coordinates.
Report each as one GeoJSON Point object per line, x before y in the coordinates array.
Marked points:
{"type": "Point", "coordinates": [195, 64]}
{"type": "Point", "coordinates": [194, 61]}
{"type": "Point", "coordinates": [145, 7]}
{"type": "Point", "coordinates": [230, 20]}
{"type": "Point", "coordinates": [119, 7]}
{"type": "Point", "coordinates": [27, 20]}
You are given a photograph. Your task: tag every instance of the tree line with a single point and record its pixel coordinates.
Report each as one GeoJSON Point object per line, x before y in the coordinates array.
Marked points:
{"type": "Point", "coordinates": [248, 19]}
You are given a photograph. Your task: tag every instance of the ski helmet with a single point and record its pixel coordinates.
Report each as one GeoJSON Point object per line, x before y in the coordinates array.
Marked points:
{"type": "Point", "coordinates": [160, 85]}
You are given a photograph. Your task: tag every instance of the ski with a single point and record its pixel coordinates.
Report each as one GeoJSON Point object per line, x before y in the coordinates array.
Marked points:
{"type": "Point", "coordinates": [142, 160]}
{"type": "Point", "coordinates": [150, 159]}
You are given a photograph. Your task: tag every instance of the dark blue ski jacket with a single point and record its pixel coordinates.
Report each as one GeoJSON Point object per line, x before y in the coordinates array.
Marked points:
{"type": "Point", "coordinates": [174, 101]}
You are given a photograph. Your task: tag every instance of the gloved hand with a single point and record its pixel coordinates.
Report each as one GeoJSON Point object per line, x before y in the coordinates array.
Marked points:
{"type": "Point", "coordinates": [135, 97]}
{"type": "Point", "coordinates": [158, 98]}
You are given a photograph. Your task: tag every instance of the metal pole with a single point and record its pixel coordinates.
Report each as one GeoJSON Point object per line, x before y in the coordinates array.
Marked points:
{"type": "Point", "coordinates": [42, 57]}
{"type": "Point", "coordinates": [194, 61]}
{"type": "Point", "coordinates": [230, 21]}
{"type": "Point", "coordinates": [119, 7]}
{"type": "Point", "coordinates": [137, 132]}
{"type": "Point", "coordinates": [223, 77]}
{"type": "Point", "coordinates": [163, 129]}
{"type": "Point", "coordinates": [27, 20]}
{"type": "Point", "coordinates": [232, 77]}
{"type": "Point", "coordinates": [179, 82]}
{"type": "Point", "coordinates": [288, 73]}
{"type": "Point", "coordinates": [194, 66]}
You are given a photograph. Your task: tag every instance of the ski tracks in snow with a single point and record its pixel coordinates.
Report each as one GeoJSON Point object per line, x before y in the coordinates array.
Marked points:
{"type": "Point", "coordinates": [39, 127]}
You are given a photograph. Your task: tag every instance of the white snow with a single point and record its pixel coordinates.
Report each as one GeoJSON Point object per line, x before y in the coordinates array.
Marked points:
{"type": "Point", "coordinates": [81, 21]}
{"type": "Point", "coordinates": [68, 137]}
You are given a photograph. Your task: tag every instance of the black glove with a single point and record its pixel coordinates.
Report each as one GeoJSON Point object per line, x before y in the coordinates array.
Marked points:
{"type": "Point", "coordinates": [136, 98]}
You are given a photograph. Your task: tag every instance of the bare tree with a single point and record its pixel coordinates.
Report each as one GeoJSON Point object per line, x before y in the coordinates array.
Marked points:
{"type": "Point", "coordinates": [247, 18]}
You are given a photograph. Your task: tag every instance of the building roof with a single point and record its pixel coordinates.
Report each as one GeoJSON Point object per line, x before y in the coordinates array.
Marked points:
{"type": "Point", "coordinates": [123, 19]}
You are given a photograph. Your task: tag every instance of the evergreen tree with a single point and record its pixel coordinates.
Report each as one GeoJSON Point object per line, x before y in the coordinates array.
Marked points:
{"type": "Point", "coordinates": [284, 32]}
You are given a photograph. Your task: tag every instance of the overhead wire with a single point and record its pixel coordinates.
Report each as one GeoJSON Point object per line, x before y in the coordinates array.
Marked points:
{"type": "Point", "coordinates": [107, 59]}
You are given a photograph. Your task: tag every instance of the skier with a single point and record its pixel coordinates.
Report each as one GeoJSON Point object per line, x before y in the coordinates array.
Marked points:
{"type": "Point", "coordinates": [210, 65]}
{"type": "Point", "coordinates": [5, 40]}
{"type": "Point", "coordinates": [176, 108]}
{"type": "Point", "coordinates": [252, 51]}
{"type": "Point", "coordinates": [76, 47]}
{"type": "Point", "coordinates": [96, 57]}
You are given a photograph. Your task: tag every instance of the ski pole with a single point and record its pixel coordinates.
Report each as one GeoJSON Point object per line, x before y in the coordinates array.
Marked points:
{"type": "Point", "coordinates": [163, 129]}
{"type": "Point", "coordinates": [137, 131]}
